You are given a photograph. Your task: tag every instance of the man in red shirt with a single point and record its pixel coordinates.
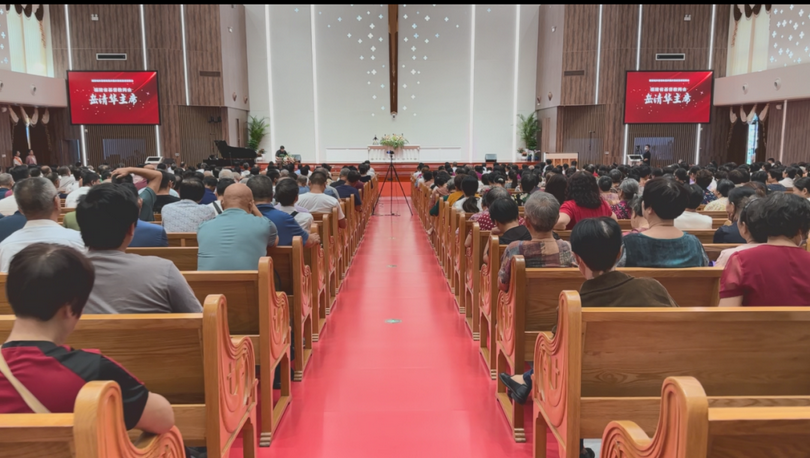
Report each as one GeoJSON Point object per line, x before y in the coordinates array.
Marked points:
{"type": "Point", "coordinates": [48, 286]}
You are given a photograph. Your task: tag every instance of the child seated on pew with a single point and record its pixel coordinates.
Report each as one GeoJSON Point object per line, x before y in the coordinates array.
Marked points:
{"type": "Point", "coordinates": [48, 286]}
{"type": "Point", "coordinates": [597, 247]}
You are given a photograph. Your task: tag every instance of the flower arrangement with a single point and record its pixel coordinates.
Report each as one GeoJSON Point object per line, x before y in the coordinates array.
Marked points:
{"type": "Point", "coordinates": [394, 141]}
{"type": "Point", "coordinates": [285, 160]}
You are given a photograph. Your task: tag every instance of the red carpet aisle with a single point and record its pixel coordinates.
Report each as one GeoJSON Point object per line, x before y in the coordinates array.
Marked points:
{"type": "Point", "coordinates": [414, 388]}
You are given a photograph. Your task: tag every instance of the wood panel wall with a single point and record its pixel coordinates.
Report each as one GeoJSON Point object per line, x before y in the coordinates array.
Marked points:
{"type": "Point", "coordinates": [197, 133]}
{"type": "Point", "coordinates": [663, 30]}
{"type": "Point", "coordinates": [118, 29]}
{"type": "Point", "coordinates": [797, 134]}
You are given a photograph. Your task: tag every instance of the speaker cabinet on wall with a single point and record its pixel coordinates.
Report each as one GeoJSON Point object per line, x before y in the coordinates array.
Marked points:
{"type": "Point", "coordinates": [491, 157]}
{"type": "Point", "coordinates": [670, 56]}
{"type": "Point", "coordinates": [111, 56]}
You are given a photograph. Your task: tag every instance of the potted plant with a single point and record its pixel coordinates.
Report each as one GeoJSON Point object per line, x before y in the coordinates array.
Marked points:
{"type": "Point", "coordinates": [257, 130]}
{"type": "Point", "coordinates": [528, 130]}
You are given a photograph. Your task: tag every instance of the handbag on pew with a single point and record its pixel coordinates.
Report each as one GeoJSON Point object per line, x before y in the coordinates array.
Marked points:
{"type": "Point", "coordinates": [30, 400]}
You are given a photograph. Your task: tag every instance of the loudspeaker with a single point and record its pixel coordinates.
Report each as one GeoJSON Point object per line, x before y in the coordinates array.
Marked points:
{"type": "Point", "coordinates": [491, 157]}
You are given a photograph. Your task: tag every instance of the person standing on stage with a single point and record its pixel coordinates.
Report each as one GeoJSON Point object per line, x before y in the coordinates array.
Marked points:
{"type": "Point", "coordinates": [647, 155]}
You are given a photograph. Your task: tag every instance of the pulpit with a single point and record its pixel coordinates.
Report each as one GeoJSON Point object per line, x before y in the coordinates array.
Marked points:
{"type": "Point", "coordinates": [558, 159]}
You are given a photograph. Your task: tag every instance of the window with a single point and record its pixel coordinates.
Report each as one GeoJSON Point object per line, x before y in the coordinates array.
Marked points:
{"type": "Point", "coordinates": [29, 42]}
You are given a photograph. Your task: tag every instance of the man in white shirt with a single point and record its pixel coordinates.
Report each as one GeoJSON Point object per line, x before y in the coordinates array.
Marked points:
{"type": "Point", "coordinates": [690, 218]}
{"type": "Point", "coordinates": [38, 200]}
{"type": "Point", "coordinates": [316, 201]}
{"type": "Point", "coordinates": [221, 185]}
{"type": "Point", "coordinates": [67, 183]}
{"type": "Point", "coordinates": [287, 195]}
{"type": "Point", "coordinates": [789, 174]}
{"type": "Point", "coordinates": [187, 214]}
{"type": "Point", "coordinates": [88, 179]}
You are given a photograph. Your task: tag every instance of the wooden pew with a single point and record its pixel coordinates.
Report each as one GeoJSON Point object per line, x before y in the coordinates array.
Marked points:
{"type": "Point", "coordinates": [95, 429]}
{"type": "Point", "coordinates": [625, 225]}
{"type": "Point", "coordinates": [325, 228]}
{"type": "Point", "coordinates": [472, 279]}
{"type": "Point", "coordinates": [296, 281]}
{"type": "Point", "coordinates": [315, 259]}
{"type": "Point", "coordinates": [705, 236]}
{"type": "Point", "coordinates": [715, 214]}
{"type": "Point", "coordinates": [488, 306]}
{"type": "Point", "coordinates": [189, 358]}
{"type": "Point", "coordinates": [713, 250]}
{"type": "Point", "coordinates": [259, 312]}
{"type": "Point", "coordinates": [605, 364]}
{"type": "Point", "coordinates": [184, 258]}
{"type": "Point", "coordinates": [688, 427]}
{"type": "Point", "coordinates": [182, 238]}
{"type": "Point", "coordinates": [530, 306]}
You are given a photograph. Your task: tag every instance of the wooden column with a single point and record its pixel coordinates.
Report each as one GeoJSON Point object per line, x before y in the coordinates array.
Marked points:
{"type": "Point", "coordinates": [393, 62]}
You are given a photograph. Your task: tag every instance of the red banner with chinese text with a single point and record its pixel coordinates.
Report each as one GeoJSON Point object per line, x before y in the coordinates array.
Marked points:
{"type": "Point", "coordinates": [668, 97]}
{"type": "Point", "coordinates": [113, 97]}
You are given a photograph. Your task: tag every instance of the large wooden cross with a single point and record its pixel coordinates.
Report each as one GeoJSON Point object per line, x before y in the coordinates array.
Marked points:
{"type": "Point", "coordinates": [393, 62]}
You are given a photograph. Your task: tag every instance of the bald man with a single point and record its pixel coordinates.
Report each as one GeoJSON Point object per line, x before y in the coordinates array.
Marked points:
{"type": "Point", "coordinates": [237, 237]}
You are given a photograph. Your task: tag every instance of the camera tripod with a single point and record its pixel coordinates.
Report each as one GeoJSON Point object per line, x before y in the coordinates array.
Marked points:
{"type": "Point", "coordinates": [390, 174]}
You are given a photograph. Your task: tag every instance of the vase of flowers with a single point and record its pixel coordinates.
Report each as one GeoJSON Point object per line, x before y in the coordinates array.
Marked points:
{"type": "Point", "coordinates": [394, 141]}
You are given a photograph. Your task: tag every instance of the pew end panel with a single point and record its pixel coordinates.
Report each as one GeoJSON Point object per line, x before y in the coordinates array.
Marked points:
{"type": "Point", "coordinates": [690, 426]}
{"type": "Point", "coordinates": [296, 280]}
{"type": "Point", "coordinates": [314, 258]}
{"type": "Point", "coordinates": [488, 306]}
{"type": "Point", "coordinates": [744, 357]}
{"type": "Point", "coordinates": [182, 239]}
{"type": "Point", "coordinates": [95, 429]}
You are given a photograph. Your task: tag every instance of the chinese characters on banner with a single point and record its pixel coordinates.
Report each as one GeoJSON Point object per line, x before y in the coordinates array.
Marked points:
{"type": "Point", "coordinates": [668, 97]}
{"type": "Point", "coordinates": [112, 96]}
{"type": "Point", "coordinates": [122, 97]}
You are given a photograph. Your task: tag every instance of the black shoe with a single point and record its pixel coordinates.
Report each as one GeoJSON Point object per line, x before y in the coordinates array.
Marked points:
{"type": "Point", "coordinates": [587, 453]}
{"type": "Point", "coordinates": [519, 392]}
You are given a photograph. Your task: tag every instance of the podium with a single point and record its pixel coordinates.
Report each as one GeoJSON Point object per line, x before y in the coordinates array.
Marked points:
{"type": "Point", "coordinates": [408, 153]}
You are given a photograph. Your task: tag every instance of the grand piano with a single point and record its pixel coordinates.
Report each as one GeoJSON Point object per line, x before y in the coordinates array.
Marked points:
{"type": "Point", "coordinates": [232, 155]}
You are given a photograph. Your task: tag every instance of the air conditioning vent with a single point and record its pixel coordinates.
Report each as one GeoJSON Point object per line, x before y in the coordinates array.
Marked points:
{"type": "Point", "coordinates": [670, 56]}
{"type": "Point", "coordinates": [574, 73]}
{"type": "Point", "coordinates": [214, 74]}
{"type": "Point", "coordinates": [111, 56]}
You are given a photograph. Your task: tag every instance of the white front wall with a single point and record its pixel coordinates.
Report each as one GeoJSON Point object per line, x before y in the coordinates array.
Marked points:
{"type": "Point", "coordinates": [353, 94]}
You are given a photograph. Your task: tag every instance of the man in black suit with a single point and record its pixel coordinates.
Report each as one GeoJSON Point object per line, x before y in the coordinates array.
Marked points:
{"type": "Point", "coordinates": [647, 155]}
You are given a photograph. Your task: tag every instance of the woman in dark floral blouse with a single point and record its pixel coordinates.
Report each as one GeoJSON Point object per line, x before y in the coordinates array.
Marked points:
{"type": "Point", "coordinates": [627, 192]}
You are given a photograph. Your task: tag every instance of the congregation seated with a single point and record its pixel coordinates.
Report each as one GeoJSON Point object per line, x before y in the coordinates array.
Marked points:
{"type": "Point", "coordinates": [704, 179]}
{"type": "Point", "coordinates": [39, 203]}
{"type": "Point", "coordinates": [628, 190]}
{"type": "Point", "coordinates": [721, 191]}
{"type": "Point", "coordinates": [528, 185]}
{"type": "Point", "coordinates": [556, 185]}
{"type": "Point", "coordinates": [439, 189]}
{"type": "Point", "coordinates": [457, 193]}
{"type": "Point", "coordinates": [752, 228]}
{"type": "Point", "coordinates": [317, 201]}
{"type": "Point", "coordinates": [504, 213]}
{"type": "Point", "coordinates": [286, 225]}
{"type": "Point", "coordinates": [286, 195]}
{"type": "Point", "coordinates": [210, 190]}
{"type": "Point", "coordinates": [470, 202]}
{"type": "Point", "coordinates": [663, 245]}
{"type": "Point", "coordinates": [737, 198]}
{"type": "Point", "coordinates": [67, 183]}
{"type": "Point", "coordinates": [484, 218]}
{"type": "Point", "coordinates": [606, 191]}
{"type": "Point", "coordinates": [88, 180]}
{"type": "Point", "coordinates": [40, 373]}
{"type": "Point", "coordinates": [148, 193]}
{"type": "Point", "coordinates": [222, 184]}
{"type": "Point", "coordinates": [542, 212]}
{"type": "Point", "coordinates": [772, 273]}
{"type": "Point", "coordinates": [349, 189]}
{"type": "Point", "coordinates": [165, 195]}
{"type": "Point", "coordinates": [303, 184]}
{"type": "Point", "coordinates": [801, 187]}
{"type": "Point", "coordinates": [187, 214]}
{"type": "Point", "coordinates": [690, 218]}
{"type": "Point", "coordinates": [8, 206]}
{"type": "Point", "coordinates": [236, 238]}
{"type": "Point", "coordinates": [597, 246]}
{"type": "Point", "coordinates": [124, 282]}
{"type": "Point", "coordinates": [582, 201]}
